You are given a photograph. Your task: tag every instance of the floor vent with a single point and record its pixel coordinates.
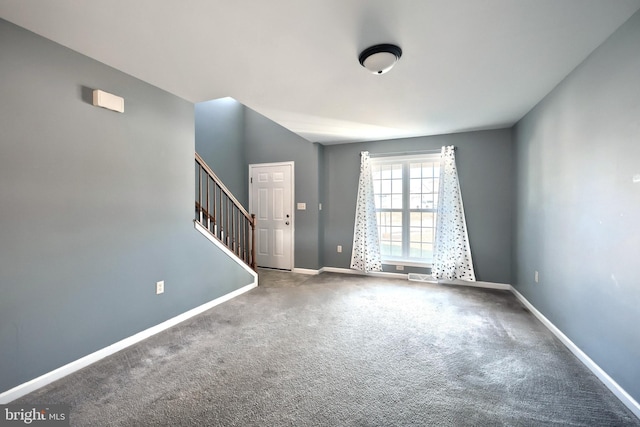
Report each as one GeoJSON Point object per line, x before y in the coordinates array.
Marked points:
{"type": "Point", "coordinates": [416, 277]}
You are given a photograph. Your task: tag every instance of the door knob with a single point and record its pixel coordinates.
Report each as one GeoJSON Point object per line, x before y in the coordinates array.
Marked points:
{"type": "Point", "coordinates": [287, 223]}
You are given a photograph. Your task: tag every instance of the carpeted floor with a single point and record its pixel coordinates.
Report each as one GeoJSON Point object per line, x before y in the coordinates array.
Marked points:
{"type": "Point", "coordinates": [341, 350]}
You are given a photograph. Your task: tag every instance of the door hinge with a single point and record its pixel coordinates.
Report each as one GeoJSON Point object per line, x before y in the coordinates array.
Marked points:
{"type": "Point", "coordinates": [251, 182]}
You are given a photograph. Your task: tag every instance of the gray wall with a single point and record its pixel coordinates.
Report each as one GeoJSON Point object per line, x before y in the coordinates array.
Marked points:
{"type": "Point", "coordinates": [231, 136]}
{"type": "Point", "coordinates": [95, 207]}
{"type": "Point", "coordinates": [577, 210]}
{"type": "Point", "coordinates": [268, 142]}
{"type": "Point", "coordinates": [220, 142]}
{"type": "Point", "coordinates": [329, 175]}
{"type": "Point", "coordinates": [484, 162]}
{"type": "Point", "coordinates": [321, 194]}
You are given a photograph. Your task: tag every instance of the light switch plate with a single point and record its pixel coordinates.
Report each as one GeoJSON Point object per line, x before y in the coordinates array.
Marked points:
{"type": "Point", "coordinates": [302, 206]}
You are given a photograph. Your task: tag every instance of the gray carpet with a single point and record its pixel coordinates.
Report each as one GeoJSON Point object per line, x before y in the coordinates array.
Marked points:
{"type": "Point", "coordinates": [340, 350]}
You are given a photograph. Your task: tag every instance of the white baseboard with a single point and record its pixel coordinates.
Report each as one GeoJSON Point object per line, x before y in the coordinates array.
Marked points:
{"type": "Point", "coordinates": [615, 388]}
{"type": "Point", "coordinates": [41, 381]}
{"type": "Point", "coordinates": [362, 273]}
{"type": "Point", "coordinates": [487, 285]}
{"type": "Point", "coordinates": [306, 271]}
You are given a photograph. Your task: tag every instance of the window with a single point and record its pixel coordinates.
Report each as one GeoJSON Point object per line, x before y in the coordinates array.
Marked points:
{"type": "Point", "coordinates": [406, 197]}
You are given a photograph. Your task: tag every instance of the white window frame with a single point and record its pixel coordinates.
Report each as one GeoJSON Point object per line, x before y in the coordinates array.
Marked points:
{"type": "Point", "coordinates": [406, 210]}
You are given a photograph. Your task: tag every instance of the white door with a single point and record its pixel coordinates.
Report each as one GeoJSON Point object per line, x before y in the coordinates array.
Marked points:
{"type": "Point", "coordinates": [271, 199]}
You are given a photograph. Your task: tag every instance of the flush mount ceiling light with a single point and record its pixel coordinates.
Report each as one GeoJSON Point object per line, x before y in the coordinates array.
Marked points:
{"type": "Point", "coordinates": [380, 58]}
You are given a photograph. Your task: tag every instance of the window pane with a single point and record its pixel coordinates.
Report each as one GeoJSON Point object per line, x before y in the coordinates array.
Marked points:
{"type": "Point", "coordinates": [396, 234]}
{"type": "Point", "coordinates": [427, 185]}
{"type": "Point", "coordinates": [427, 201]}
{"type": "Point", "coordinates": [396, 187]}
{"type": "Point", "coordinates": [385, 233]}
{"type": "Point", "coordinates": [415, 186]}
{"type": "Point", "coordinates": [428, 219]}
{"type": "Point", "coordinates": [396, 201]}
{"type": "Point", "coordinates": [384, 249]}
{"type": "Point", "coordinates": [415, 250]}
{"type": "Point", "coordinates": [427, 235]}
{"type": "Point", "coordinates": [396, 249]}
{"type": "Point", "coordinates": [376, 187]}
{"type": "Point", "coordinates": [383, 218]}
{"type": "Point", "coordinates": [396, 219]}
{"type": "Point", "coordinates": [423, 252]}
{"type": "Point", "coordinates": [376, 171]}
{"type": "Point", "coordinates": [416, 219]}
{"type": "Point", "coordinates": [427, 253]}
{"type": "Point", "coordinates": [391, 201]}
{"type": "Point", "coordinates": [416, 170]}
{"type": "Point", "coordinates": [415, 201]}
{"type": "Point", "coordinates": [415, 235]}
{"type": "Point", "coordinates": [433, 170]}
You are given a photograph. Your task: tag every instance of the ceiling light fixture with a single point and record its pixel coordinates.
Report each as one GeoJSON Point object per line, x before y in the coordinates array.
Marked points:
{"type": "Point", "coordinates": [380, 58]}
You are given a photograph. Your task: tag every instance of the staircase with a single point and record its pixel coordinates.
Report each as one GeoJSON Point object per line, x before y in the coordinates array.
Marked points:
{"type": "Point", "coordinates": [223, 216]}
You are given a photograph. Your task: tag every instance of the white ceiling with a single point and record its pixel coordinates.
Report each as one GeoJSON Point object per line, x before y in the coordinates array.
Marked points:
{"type": "Point", "coordinates": [466, 64]}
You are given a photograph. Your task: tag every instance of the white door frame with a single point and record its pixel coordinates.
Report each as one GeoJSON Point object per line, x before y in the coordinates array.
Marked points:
{"type": "Point", "coordinates": [293, 197]}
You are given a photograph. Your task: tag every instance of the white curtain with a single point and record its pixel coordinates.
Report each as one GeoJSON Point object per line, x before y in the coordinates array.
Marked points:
{"type": "Point", "coordinates": [366, 248]}
{"type": "Point", "coordinates": [451, 252]}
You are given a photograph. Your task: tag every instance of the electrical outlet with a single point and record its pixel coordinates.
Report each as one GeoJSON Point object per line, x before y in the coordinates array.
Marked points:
{"type": "Point", "coordinates": [339, 248]}
{"type": "Point", "coordinates": [535, 276]}
{"type": "Point", "coordinates": [400, 267]}
{"type": "Point", "coordinates": [160, 287]}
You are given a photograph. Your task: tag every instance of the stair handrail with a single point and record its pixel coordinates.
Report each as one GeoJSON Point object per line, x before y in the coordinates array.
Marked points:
{"type": "Point", "coordinates": [224, 188]}
{"type": "Point", "coordinates": [223, 236]}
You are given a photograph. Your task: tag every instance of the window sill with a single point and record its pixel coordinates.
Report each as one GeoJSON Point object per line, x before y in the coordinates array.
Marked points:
{"type": "Point", "coordinates": [406, 263]}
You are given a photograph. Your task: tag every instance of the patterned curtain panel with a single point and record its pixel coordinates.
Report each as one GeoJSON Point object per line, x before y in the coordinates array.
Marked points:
{"type": "Point", "coordinates": [451, 252]}
{"type": "Point", "coordinates": [366, 247]}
